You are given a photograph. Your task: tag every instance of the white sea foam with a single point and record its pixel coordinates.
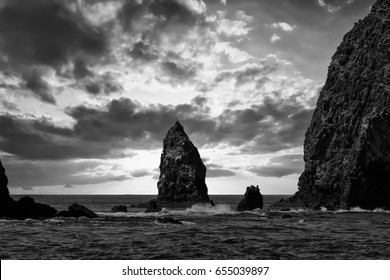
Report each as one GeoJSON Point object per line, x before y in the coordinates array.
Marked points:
{"type": "Point", "coordinates": [194, 210]}
{"type": "Point", "coordinates": [55, 220]}
{"type": "Point", "coordinates": [210, 210]}
{"type": "Point", "coordinates": [360, 210]}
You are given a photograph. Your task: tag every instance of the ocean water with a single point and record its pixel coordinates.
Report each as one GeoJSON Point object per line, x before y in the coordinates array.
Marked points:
{"type": "Point", "coordinates": [206, 233]}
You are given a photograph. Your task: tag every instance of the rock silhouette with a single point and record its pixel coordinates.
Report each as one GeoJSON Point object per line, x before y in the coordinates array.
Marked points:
{"type": "Point", "coordinates": [24, 208]}
{"type": "Point", "coordinates": [182, 172]}
{"type": "Point", "coordinates": [347, 146]}
{"type": "Point", "coordinates": [153, 207]}
{"type": "Point", "coordinates": [252, 199]}
{"type": "Point", "coordinates": [5, 199]}
{"type": "Point", "coordinates": [119, 208]}
{"type": "Point", "coordinates": [77, 210]}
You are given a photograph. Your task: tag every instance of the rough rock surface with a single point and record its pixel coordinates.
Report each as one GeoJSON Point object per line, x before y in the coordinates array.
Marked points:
{"type": "Point", "coordinates": [252, 199]}
{"type": "Point", "coordinates": [347, 146]}
{"type": "Point", "coordinates": [24, 208]}
{"type": "Point", "coordinates": [119, 208]}
{"type": "Point", "coordinates": [153, 207]}
{"type": "Point", "coordinates": [77, 210]}
{"type": "Point", "coordinates": [182, 172]}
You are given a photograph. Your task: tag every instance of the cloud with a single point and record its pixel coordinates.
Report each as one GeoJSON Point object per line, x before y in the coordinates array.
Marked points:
{"type": "Point", "coordinates": [140, 173]}
{"type": "Point", "coordinates": [284, 26]}
{"type": "Point", "coordinates": [102, 132]}
{"type": "Point", "coordinates": [223, 2]}
{"type": "Point", "coordinates": [248, 73]}
{"type": "Point", "coordinates": [275, 38]}
{"type": "Point", "coordinates": [101, 84]}
{"type": "Point", "coordinates": [39, 87]}
{"type": "Point", "coordinates": [144, 51]}
{"type": "Point", "coordinates": [46, 33]}
{"type": "Point", "coordinates": [235, 55]}
{"type": "Point", "coordinates": [238, 27]}
{"type": "Point", "coordinates": [151, 17]}
{"type": "Point", "coordinates": [177, 71]}
{"type": "Point", "coordinates": [280, 166]}
{"type": "Point", "coordinates": [329, 7]}
{"type": "Point", "coordinates": [9, 105]}
{"type": "Point", "coordinates": [46, 140]}
{"type": "Point", "coordinates": [215, 171]}
{"type": "Point", "coordinates": [23, 173]}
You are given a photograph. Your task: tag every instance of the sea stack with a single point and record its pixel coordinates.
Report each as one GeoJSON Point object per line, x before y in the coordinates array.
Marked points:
{"type": "Point", "coordinates": [252, 199]}
{"type": "Point", "coordinates": [347, 146]}
{"type": "Point", "coordinates": [182, 172]}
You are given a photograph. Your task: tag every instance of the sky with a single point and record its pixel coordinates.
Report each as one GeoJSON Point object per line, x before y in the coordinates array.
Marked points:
{"type": "Point", "coordinates": [89, 88]}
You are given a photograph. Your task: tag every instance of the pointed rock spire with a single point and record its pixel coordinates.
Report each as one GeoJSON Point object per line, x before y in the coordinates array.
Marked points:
{"type": "Point", "coordinates": [182, 172]}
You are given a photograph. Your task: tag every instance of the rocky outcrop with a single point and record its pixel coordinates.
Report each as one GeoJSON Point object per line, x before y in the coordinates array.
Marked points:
{"type": "Point", "coordinates": [76, 211]}
{"type": "Point", "coordinates": [252, 199]}
{"type": "Point", "coordinates": [24, 208]}
{"type": "Point", "coordinates": [153, 207]}
{"type": "Point", "coordinates": [347, 146]}
{"type": "Point", "coordinates": [119, 208]}
{"type": "Point", "coordinates": [27, 208]}
{"type": "Point", "coordinates": [5, 199]}
{"type": "Point", "coordinates": [182, 172]}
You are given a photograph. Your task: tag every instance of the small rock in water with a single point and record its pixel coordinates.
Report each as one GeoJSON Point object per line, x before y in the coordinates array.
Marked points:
{"type": "Point", "coordinates": [252, 199]}
{"type": "Point", "coordinates": [153, 207]}
{"type": "Point", "coordinates": [77, 210]}
{"type": "Point", "coordinates": [119, 208]}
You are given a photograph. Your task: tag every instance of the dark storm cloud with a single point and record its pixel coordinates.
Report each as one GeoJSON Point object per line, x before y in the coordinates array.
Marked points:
{"type": "Point", "coordinates": [178, 72]}
{"type": "Point", "coordinates": [169, 13]}
{"type": "Point", "coordinates": [39, 87]}
{"type": "Point", "coordinates": [22, 173]}
{"type": "Point", "coordinates": [280, 166]}
{"type": "Point", "coordinates": [39, 139]}
{"type": "Point", "coordinates": [80, 69]}
{"type": "Point", "coordinates": [46, 33]}
{"type": "Point", "coordinates": [102, 84]}
{"type": "Point", "coordinates": [104, 132]}
{"type": "Point", "coordinates": [271, 126]}
{"type": "Point", "coordinates": [143, 51]}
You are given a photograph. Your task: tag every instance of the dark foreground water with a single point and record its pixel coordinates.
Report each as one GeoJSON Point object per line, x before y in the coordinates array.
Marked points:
{"type": "Point", "coordinates": [206, 233]}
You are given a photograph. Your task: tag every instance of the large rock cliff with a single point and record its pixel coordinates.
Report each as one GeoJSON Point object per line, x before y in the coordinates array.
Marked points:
{"type": "Point", "coordinates": [347, 146]}
{"type": "Point", "coordinates": [182, 172]}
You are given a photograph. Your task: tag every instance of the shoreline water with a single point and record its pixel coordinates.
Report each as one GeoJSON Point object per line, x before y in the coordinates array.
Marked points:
{"type": "Point", "coordinates": [205, 232]}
